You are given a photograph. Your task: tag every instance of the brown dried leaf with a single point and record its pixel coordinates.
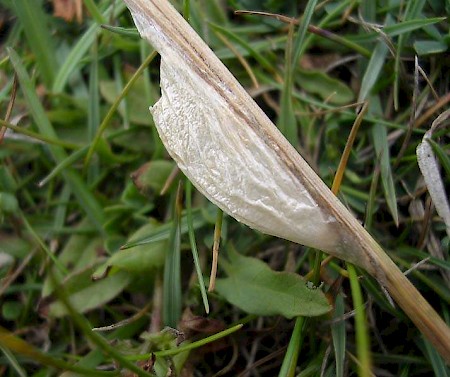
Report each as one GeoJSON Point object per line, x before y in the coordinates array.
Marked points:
{"type": "Point", "coordinates": [68, 9]}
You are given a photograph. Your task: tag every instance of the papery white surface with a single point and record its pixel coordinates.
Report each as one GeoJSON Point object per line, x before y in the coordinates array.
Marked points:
{"type": "Point", "coordinates": [223, 157]}
{"type": "Point", "coordinates": [228, 163]}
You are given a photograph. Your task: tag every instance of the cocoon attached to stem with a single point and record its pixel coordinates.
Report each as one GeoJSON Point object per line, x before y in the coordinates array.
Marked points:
{"type": "Point", "coordinates": [236, 157]}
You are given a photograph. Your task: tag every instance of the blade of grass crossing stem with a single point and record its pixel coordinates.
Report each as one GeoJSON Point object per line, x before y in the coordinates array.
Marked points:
{"type": "Point", "coordinates": [439, 367]}
{"type": "Point", "coordinates": [291, 357]}
{"type": "Point", "coordinates": [80, 49]}
{"type": "Point", "coordinates": [193, 243]}
{"type": "Point", "coordinates": [362, 334]}
{"type": "Point", "coordinates": [115, 105]}
{"type": "Point", "coordinates": [379, 135]}
{"type": "Point", "coordinates": [339, 336]}
{"type": "Point", "coordinates": [33, 20]}
{"type": "Point", "coordinates": [172, 269]}
{"type": "Point", "coordinates": [85, 197]}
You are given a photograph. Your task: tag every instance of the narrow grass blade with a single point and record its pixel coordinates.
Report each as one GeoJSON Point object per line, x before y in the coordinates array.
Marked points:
{"type": "Point", "coordinates": [373, 70]}
{"type": "Point", "coordinates": [172, 300]}
{"type": "Point", "coordinates": [241, 42]}
{"type": "Point", "coordinates": [287, 121]}
{"type": "Point", "coordinates": [33, 20]}
{"type": "Point", "coordinates": [339, 335]}
{"type": "Point", "coordinates": [290, 359]}
{"type": "Point", "coordinates": [78, 187]}
{"type": "Point", "coordinates": [13, 362]}
{"type": "Point", "coordinates": [15, 344]}
{"type": "Point", "coordinates": [362, 335]}
{"type": "Point", "coordinates": [38, 137]}
{"type": "Point", "coordinates": [114, 107]}
{"type": "Point", "coordinates": [439, 367]}
{"type": "Point", "coordinates": [94, 11]}
{"type": "Point", "coordinates": [413, 11]}
{"type": "Point", "coordinates": [379, 135]}
{"type": "Point", "coordinates": [193, 243]}
{"type": "Point", "coordinates": [81, 48]}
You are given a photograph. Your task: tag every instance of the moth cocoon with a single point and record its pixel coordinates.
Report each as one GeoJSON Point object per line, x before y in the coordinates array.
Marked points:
{"type": "Point", "coordinates": [224, 157]}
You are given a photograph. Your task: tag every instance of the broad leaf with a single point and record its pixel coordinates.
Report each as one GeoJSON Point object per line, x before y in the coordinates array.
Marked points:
{"type": "Point", "coordinates": [252, 286]}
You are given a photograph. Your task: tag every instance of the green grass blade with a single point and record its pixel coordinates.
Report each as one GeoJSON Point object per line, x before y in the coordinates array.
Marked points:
{"type": "Point", "coordinates": [442, 155]}
{"type": "Point", "coordinates": [94, 11]}
{"type": "Point", "coordinates": [338, 333]}
{"type": "Point", "coordinates": [413, 11]}
{"type": "Point", "coordinates": [33, 20]}
{"type": "Point", "coordinates": [362, 334]}
{"type": "Point", "coordinates": [380, 139]}
{"type": "Point", "coordinates": [289, 365]}
{"type": "Point", "coordinates": [78, 187]}
{"type": "Point", "coordinates": [81, 48]}
{"type": "Point", "coordinates": [114, 107]}
{"type": "Point", "coordinates": [374, 67]}
{"type": "Point", "coordinates": [193, 243]}
{"type": "Point", "coordinates": [287, 121]}
{"type": "Point", "coordinates": [13, 362]}
{"type": "Point", "coordinates": [439, 367]}
{"type": "Point", "coordinates": [172, 269]}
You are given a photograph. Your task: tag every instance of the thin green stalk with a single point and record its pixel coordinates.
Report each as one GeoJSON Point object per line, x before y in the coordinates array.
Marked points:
{"type": "Point", "coordinates": [362, 334]}
{"type": "Point", "coordinates": [193, 243]}
{"type": "Point", "coordinates": [36, 136]}
{"type": "Point", "coordinates": [290, 359]}
{"type": "Point", "coordinates": [115, 105]}
{"type": "Point", "coordinates": [188, 347]}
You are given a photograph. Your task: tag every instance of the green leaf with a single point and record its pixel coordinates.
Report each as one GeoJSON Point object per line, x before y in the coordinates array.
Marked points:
{"type": "Point", "coordinates": [140, 258]}
{"type": "Point", "coordinates": [92, 295]}
{"type": "Point", "coordinates": [429, 47]}
{"type": "Point", "coordinates": [326, 87]}
{"type": "Point", "coordinates": [253, 287]}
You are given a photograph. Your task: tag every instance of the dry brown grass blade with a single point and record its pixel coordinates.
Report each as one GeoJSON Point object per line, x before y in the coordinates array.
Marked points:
{"type": "Point", "coordinates": [235, 156]}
